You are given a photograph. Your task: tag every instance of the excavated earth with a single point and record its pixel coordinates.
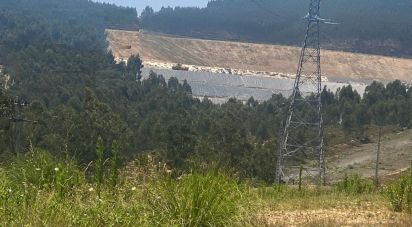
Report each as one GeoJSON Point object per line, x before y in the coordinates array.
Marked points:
{"type": "Point", "coordinates": [337, 66]}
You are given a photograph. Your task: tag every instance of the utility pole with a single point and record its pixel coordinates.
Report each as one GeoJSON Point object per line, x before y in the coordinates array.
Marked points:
{"type": "Point", "coordinates": [303, 130]}
{"type": "Point", "coordinates": [378, 158]}
{"type": "Point", "coordinates": [18, 121]}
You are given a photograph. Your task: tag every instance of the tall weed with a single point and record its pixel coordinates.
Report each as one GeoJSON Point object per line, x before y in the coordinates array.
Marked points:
{"type": "Point", "coordinates": [355, 185]}
{"type": "Point", "coordinates": [399, 194]}
{"type": "Point", "coordinates": [209, 199]}
{"type": "Point", "coordinates": [38, 170]}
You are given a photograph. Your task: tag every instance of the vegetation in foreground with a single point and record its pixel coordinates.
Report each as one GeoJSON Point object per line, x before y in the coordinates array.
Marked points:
{"type": "Point", "coordinates": [39, 190]}
{"type": "Point", "coordinates": [77, 94]}
{"type": "Point", "coordinates": [83, 102]}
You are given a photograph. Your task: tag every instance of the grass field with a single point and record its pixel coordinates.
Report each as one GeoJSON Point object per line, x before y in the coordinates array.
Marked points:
{"type": "Point", "coordinates": [39, 190]}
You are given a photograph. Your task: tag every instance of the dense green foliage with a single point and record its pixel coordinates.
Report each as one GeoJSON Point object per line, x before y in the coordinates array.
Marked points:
{"type": "Point", "coordinates": [382, 27]}
{"type": "Point", "coordinates": [78, 95]}
{"type": "Point", "coordinates": [75, 23]}
{"type": "Point", "coordinates": [110, 149]}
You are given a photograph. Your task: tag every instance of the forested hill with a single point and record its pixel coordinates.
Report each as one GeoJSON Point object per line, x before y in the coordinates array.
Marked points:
{"type": "Point", "coordinates": [85, 103]}
{"type": "Point", "coordinates": [74, 23]}
{"type": "Point", "coordinates": [369, 26]}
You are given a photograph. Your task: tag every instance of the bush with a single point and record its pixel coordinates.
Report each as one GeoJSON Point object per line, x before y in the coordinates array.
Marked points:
{"type": "Point", "coordinates": [355, 185]}
{"type": "Point", "coordinates": [399, 194]}
{"type": "Point", "coordinates": [38, 170]}
{"type": "Point", "coordinates": [196, 200]}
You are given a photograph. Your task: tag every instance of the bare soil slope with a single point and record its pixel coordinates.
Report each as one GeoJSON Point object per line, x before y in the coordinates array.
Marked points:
{"type": "Point", "coordinates": [258, 57]}
{"type": "Point", "coordinates": [396, 157]}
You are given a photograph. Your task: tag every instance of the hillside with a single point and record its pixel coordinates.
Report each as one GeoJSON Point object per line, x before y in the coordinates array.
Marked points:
{"type": "Point", "coordinates": [349, 159]}
{"type": "Point", "coordinates": [382, 27]}
{"type": "Point", "coordinates": [87, 140]}
{"type": "Point", "coordinates": [75, 23]}
{"type": "Point", "coordinates": [337, 66]}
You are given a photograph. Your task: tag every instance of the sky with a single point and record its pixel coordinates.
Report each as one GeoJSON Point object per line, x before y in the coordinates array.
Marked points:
{"type": "Point", "coordinates": [156, 4]}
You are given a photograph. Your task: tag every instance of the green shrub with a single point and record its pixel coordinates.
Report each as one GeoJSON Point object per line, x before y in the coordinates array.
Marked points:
{"type": "Point", "coordinates": [196, 200]}
{"type": "Point", "coordinates": [355, 185]}
{"type": "Point", "coordinates": [399, 194]}
{"type": "Point", "coordinates": [38, 170]}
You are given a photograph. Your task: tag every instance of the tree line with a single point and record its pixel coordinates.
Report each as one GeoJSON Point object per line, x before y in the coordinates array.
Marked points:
{"type": "Point", "coordinates": [78, 95]}
{"type": "Point", "coordinates": [376, 27]}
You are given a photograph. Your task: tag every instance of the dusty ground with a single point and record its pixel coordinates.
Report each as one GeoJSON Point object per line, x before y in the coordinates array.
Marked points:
{"type": "Point", "coordinates": [396, 156]}
{"type": "Point", "coordinates": [356, 210]}
{"type": "Point", "coordinates": [258, 57]}
{"type": "Point", "coordinates": [333, 210]}
{"type": "Point", "coordinates": [337, 217]}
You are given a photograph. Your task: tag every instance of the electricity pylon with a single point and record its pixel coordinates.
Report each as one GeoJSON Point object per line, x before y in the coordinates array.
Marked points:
{"type": "Point", "coordinates": [302, 137]}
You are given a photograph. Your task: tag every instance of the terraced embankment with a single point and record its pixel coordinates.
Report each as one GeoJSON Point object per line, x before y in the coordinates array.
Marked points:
{"type": "Point", "coordinates": [337, 66]}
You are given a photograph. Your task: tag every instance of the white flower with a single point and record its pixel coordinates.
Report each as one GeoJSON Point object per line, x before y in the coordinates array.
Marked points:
{"type": "Point", "coordinates": [9, 190]}
{"type": "Point", "coordinates": [38, 169]}
{"type": "Point", "coordinates": [56, 169]}
{"type": "Point", "coordinates": [91, 189]}
{"type": "Point", "coordinates": [134, 189]}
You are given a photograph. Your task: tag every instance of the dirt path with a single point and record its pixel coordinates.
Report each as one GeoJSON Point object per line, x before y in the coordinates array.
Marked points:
{"type": "Point", "coordinates": [396, 155]}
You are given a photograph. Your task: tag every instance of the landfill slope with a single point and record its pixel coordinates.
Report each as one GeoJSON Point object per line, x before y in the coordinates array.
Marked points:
{"type": "Point", "coordinates": [337, 66]}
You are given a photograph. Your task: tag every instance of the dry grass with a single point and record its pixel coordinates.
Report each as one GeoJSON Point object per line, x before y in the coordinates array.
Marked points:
{"type": "Point", "coordinates": [329, 208]}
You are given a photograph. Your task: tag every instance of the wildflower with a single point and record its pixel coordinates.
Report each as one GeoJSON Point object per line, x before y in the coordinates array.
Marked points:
{"type": "Point", "coordinates": [91, 189]}
{"type": "Point", "coordinates": [38, 169]}
{"type": "Point", "coordinates": [134, 189]}
{"type": "Point", "coordinates": [9, 190]}
{"type": "Point", "coordinates": [56, 169]}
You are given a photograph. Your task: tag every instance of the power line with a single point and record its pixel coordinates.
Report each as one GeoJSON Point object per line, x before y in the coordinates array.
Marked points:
{"type": "Point", "coordinates": [303, 132]}
{"type": "Point", "coordinates": [18, 120]}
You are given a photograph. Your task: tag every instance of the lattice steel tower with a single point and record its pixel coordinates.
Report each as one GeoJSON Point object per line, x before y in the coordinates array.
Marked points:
{"type": "Point", "coordinates": [302, 137]}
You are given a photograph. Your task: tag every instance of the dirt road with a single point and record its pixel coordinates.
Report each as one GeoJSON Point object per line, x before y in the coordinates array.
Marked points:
{"type": "Point", "coordinates": [396, 156]}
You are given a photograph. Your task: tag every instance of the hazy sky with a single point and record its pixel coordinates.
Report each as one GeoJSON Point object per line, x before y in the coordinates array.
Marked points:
{"type": "Point", "coordinates": [156, 4]}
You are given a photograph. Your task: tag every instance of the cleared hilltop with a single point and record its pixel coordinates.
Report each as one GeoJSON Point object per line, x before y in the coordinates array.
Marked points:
{"type": "Point", "coordinates": [337, 66]}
